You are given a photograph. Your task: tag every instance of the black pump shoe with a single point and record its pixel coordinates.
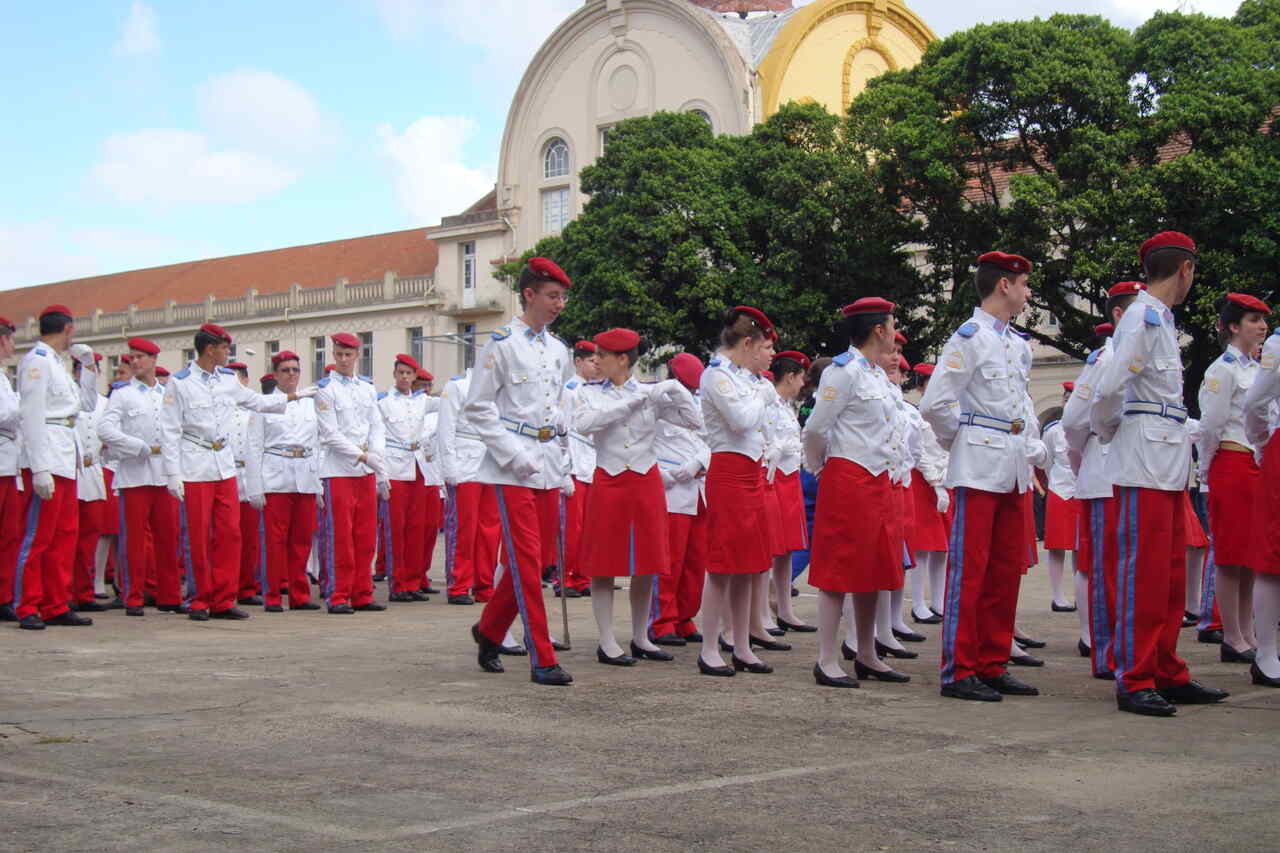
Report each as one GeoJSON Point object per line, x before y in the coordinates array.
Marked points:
{"type": "Point", "coordinates": [1261, 678]}
{"type": "Point", "coordinates": [931, 619]}
{"type": "Point", "coordinates": [909, 636]}
{"type": "Point", "coordinates": [846, 652]}
{"type": "Point", "coordinates": [798, 628]}
{"type": "Point", "coordinates": [1084, 650]}
{"type": "Point", "coordinates": [1227, 654]}
{"type": "Point", "coordinates": [707, 669]}
{"type": "Point", "coordinates": [825, 680]}
{"type": "Point", "coordinates": [864, 672]}
{"type": "Point", "coordinates": [770, 645]}
{"type": "Point", "coordinates": [1028, 643]}
{"type": "Point", "coordinates": [622, 659]}
{"type": "Point", "coordinates": [760, 668]}
{"type": "Point", "coordinates": [645, 654]}
{"type": "Point", "coordinates": [725, 647]}
{"type": "Point", "coordinates": [1062, 608]}
{"type": "Point", "coordinates": [885, 652]}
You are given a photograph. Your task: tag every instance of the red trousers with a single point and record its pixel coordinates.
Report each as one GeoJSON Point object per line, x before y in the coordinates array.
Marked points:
{"type": "Point", "coordinates": [48, 549]}
{"type": "Point", "coordinates": [251, 551]}
{"type": "Point", "coordinates": [351, 510]}
{"type": "Point", "coordinates": [520, 589]}
{"type": "Point", "coordinates": [211, 528]}
{"type": "Point", "coordinates": [289, 521]}
{"type": "Point", "coordinates": [406, 560]}
{"type": "Point", "coordinates": [987, 555]}
{"type": "Point", "coordinates": [1097, 557]}
{"type": "Point", "coordinates": [548, 504]}
{"type": "Point", "coordinates": [92, 527]}
{"type": "Point", "coordinates": [1151, 588]}
{"type": "Point", "coordinates": [574, 511]}
{"type": "Point", "coordinates": [472, 531]}
{"type": "Point", "coordinates": [13, 514]}
{"type": "Point", "coordinates": [680, 591]}
{"type": "Point", "coordinates": [147, 547]}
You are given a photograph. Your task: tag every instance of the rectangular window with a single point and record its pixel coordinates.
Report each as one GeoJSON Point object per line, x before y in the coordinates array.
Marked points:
{"type": "Point", "coordinates": [604, 138]}
{"type": "Point", "coordinates": [469, 351]}
{"type": "Point", "coordinates": [366, 354]}
{"type": "Point", "coordinates": [273, 347]}
{"type": "Point", "coordinates": [112, 364]}
{"type": "Point", "coordinates": [468, 265]}
{"type": "Point", "coordinates": [317, 358]}
{"type": "Point", "coordinates": [232, 353]}
{"type": "Point", "coordinates": [188, 356]}
{"type": "Point", "coordinates": [415, 343]}
{"type": "Point", "coordinates": [555, 210]}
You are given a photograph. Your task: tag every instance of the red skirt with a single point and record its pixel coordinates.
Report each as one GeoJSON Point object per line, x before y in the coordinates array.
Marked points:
{"type": "Point", "coordinates": [795, 532]}
{"type": "Point", "coordinates": [1033, 555]}
{"type": "Point", "coordinates": [111, 517]}
{"type": "Point", "coordinates": [625, 526]}
{"type": "Point", "coordinates": [772, 517]}
{"type": "Point", "coordinates": [907, 511]}
{"type": "Point", "coordinates": [1061, 517]}
{"type": "Point", "coordinates": [1235, 485]}
{"type": "Point", "coordinates": [737, 537]}
{"type": "Point", "coordinates": [1266, 513]}
{"type": "Point", "coordinates": [929, 532]}
{"type": "Point", "coordinates": [1196, 537]}
{"type": "Point", "coordinates": [857, 531]}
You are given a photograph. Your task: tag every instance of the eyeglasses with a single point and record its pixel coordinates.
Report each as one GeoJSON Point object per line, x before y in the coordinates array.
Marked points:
{"type": "Point", "coordinates": [288, 370]}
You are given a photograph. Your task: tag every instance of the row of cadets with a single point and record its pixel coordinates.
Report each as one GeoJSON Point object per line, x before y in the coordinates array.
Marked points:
{"type": "Point", "coordinates": [49, 404]}
{"type": "Point", "coordinates": [626, 508]}
{"type": "Point", "coordinates": [931, 503]}
{"type": "Point", "coordinates": [1228, 470]}
{"type": "Point", "coordinates": [95, 506]}
{"type": "Point", "coordinates": [471, 525]}
{"type": "Point", "coordinates": [1061, 513]}
{"type": "Point", "coordinates": [735, 403]}
{"type": "Point", "coordinates": [582, 466]}
{"type": "Point", "coordinates": [1138, 408]}
{"type": "Point", "coordinates": [251, 524]}
{"type": "Point", "coordinates": [201, 472]}
{"type": "Point", "coordinates": [785, 455]}
{"type": "Point", "coordinates": [1262, 430]}
{"type": "Point", "coordinates": [130, 429]}
{"type": "Point", "coordinates": [13, 499]}
{"type": "Point", "coordinates": [352, 468]}
{"type": "Point", "coordinates": [282, 474]}
{"type": "Point", "coordinates": [514, 406]}
{"type": "Point", "coordinates": [410, 419]}
{"type": "Point", "coordinates": [683, 460]}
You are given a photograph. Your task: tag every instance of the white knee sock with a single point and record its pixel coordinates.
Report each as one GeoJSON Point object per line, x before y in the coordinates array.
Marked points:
{"type": "Point", "coordinates": [937, 579]}
{"type": "Point", "coordinates": [1195, 570]}
{"type": "Point", "coordinates": [100, 555]}
{"type": "Point", "coordinates": [1057, 559]}
{"type": "Point", "coordinates": [641, 598]}
{"type": "Point", "coordinates": [895, 610]}
{"type": "Point", "coordinates": [884, 620]}
{"type": "Point", "coordinates": [1266, 615]}
{"type": "Point", "coordinates": [1082, 605]}
{"type": "Point", "coordinates": [919, 604]}
{"type": "Point", "coordinates": [850, 623]}
{"type": "Point", "coordinates": [602, 609]}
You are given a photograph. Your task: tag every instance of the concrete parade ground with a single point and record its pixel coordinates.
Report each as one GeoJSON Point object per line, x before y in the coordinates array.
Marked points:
{"type": "Point", "coordinates": [305, 731]}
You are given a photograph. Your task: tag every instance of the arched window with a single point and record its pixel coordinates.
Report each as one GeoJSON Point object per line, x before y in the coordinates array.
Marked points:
{"type": "Point", "coordinates": [555, 160]}
{"type": "Point", "coordinates": [704, 115]}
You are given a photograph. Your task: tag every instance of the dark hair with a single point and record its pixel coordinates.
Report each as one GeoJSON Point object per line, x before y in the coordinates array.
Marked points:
{"type": "Point", "coordinates": [632, 354]}
{"type": "Point", "coordinates": [1164, 262]}
{"type": "Point", "coordinates": [736, 325]}
{"type": "Point", "coordinates": [268, 385]}
{"type": "Point", "coordinates": [204, 340]}
{"type": "Point", "coordinates": [858, 327]}
{"type": "Point", "coordinates": [529, 278]}
{"type": "Point", "coordinates": [783, 367]}
{"type": "Point", "coordinates": [582, 353]}
{"type": "Point", "coordinates": [1122, 302]}
{"type": "Point", "coordinates": [53, 324]}
{"type": "Point", "coordinates": [1228, 313]}
{"type": "Point", "coordinates": [988, 276]}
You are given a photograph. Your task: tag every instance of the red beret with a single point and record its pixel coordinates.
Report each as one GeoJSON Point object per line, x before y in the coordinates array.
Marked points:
{"type": "Point", "coordinates": [143, 345]}
{"type": "Point", "coordinates": [267, 376]}
{"type": "Point", "coordinates": [161, 370]}
{"type": "Point", "coordinates": [55, 309]}
{"type": "Point", "coordinates": [767, 374]}
{"type": "Point", "coordinates": [899, 338]}
{"type": "Point", "coordinates": [6, 326]}
{"type": "Point", "coordinates": [868, 305]}
{"type": "Point", "coordinates": [97, 357]}
{"type": "Point", "coordinates": [547, 270]}
{"type": "Point", "coordinates": [759, 318]}
{"type": "Point", "coordinates": [1249, 303]}
{"type": "Point", "coordinates": [924, 368]}
{"type": "Point", "coordinates": [345, 339]}
{"type": "Point", "coordinates": [1104, 330]}
{"type": "Point", "coordinates": [239, 365]}
{"type": "Point", "coordinates": [903, 364]}
{"type": "Point", "coordinates": [686, 367]}
{"type": "Point", "coordinates": [617, 340]}
{"type": "Point", "coordinates": [585, 345]}
{"type": "Point", "coordinates": [126, 358]}
{"type": "Point", "coordinates": [217, 331]}
{"type": "Point", "coordinates": [284, 355]}
{"type": "Point", "coordinates": [425, 375]}
{"type": "Point", "coordinates": [796, 356]}
{"type": "Point", "coordinates": [1126, 288]}
{"type": "Point", "coordinates": [1069, 386]}
{"type": "Point", "coordinates": [1006, 262]}
{"type": "Point", "coordinates": [1167, 240]}
{"type": "Point", "coordinates": [329, 368]}
{"type": "Point", "coordinates": [408, 361]}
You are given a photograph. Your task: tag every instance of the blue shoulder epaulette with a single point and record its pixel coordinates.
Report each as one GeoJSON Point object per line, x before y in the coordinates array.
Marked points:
{"type": "Point", "coordinates": [1277, 331]}
{"type": "Point", "coordinates": [120, 384]}
{"type": "Point", "coordinates": [1024, 335]}
{"type": "Point", "coordinates": [1093, 356]}
{"type": "Point", "coordinates": [459, 376]}
{"type": "Point", "coordinates": [365, 379]}
{"type": "Point", "coordinates": [419, 392]}
{"type": "Point", "coordinates": [571, 384]}
{"type": "Point", "coordinates": [715, 362]}
{"type": "Point", "coordinates": [323, 382]}
{"type": "Point", "coordinates": [968, 330]}
{"type": "Point", "coordinates": [1049, 425]}
{"type": "Point", "coordinates": [183, 373]}
{"type": "Point", "coordinates": [557, 337]}
{"type": "Point", "coordinates": [843, 358]}
{"type": "Point", "coordinates": [1228, 357]}
{"type": "Point", "coordinates": [381, 394]}
{"type": "Point", "coordinates": [39, 350]}
{"type": "Point", "coordinates": [501, 334]}
{"type": "Point", "coordinates": [1152, 316]}
{"type": "Point", "coordinates": [226, 370]}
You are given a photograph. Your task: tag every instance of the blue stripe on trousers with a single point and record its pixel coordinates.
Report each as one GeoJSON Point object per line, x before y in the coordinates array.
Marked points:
{"type": "Point", "coordinates": [450, 532]}
{"type": "Point", "coordinates": [955, 577]}
{"type": "Point", "coordinates": [1099, 625]}
{"type": "Point", "coordinates": [263, 580]}
{"type": "Point", "coordinates": [330, 570]}
{"type": "Point", "coordinates": [24, 550]}
{"type": "Point", "coordinates": [514, 570]}
{"type": "Point", "coordinates": [189, 571]}
{"type": "Point", "coordinates": [1208, 588]}
{"type": "Point", "coordinates": [122, 550]}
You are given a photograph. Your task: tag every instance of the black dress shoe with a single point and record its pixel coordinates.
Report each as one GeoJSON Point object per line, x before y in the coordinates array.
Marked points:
{"type": "Point", "coordinates": [91, 607]}
{"type": "Point", "coordinates": [693, 637]}
{"type": "Point", "coordinates": [70, 619]}
{"type": "Point", "coordinates": [250, 601]}
{"type": "Point", "coordinates": [102, 596]}
{"type": "Point", "coordinates": [461, 599]}
{"type": "Point", "coordinates": [401, 597]}
{"type": "Point", "coordinates": [306, 605]}
{"type": "Point", "coordinates": [937, 612]}
{"type": "Point", "coordinates": [273, 608]}
{"type": "Point", "coordinates": [1147, 702]}
{"type": "Point", "coordinates": [559, 646]}
{"type": "Point", "coordinates": [670, 640]}
{"type": "Point", "coordinates": [1029, 643]}
{"type": "Point", "coordinates": [585, 592]}
{"type": "Point", "coordinates": [931, 619]}
{"type": "Point", "coordinates": [1227, 654]}
{"type": "Point", "coordinates": [1105, 675]}
{"type": "Point", "coordinates": [229, 613]}
{"type": "Point", "coordinates": [147, 600]}
{"type": "Point", "coordinates": [1192, 693]}
{"type": "Point", "coordinates": [909, 636]}
{"type": "Point", "coordinates": [885, 652]}
{"type": "Point", "coordinates": [1189, 619]}
{"type": "Point", "coordinates": [776, 632]}
{"type": "Point", "coordinates": [419, 595]}
{"type": "Point", "coordinates": [799, 628]}
{"type": "Point", "coordinates": [1062, 608]}
{"type": "Point", "coordinates": [770, 645]}
{"type": "Point", "coordinates": [571, 593]}
{"type": "Point", "coordinates": [134, 611]}
{"type": "Point", "coordinates": [371, 607]}
{"type": "Point", "coordinates": [1025, 660]}
{"type": "Point", "coordinates": [761, 668]}
{"type": "Point", "coordinates": [552, 676]}
{"type": "Point", "coordinates": [428, 589]}
{"type": "Point", "coordinates": [1085, 651]}
{"type": "Point", "coordinates": [198, 615]}
{"type": "Point", "coordinates": [864, 672]}
{"type": "Point", "coordinates": [1006, 685]}
{"type": "Point", "coordinates": [707, 669]}
{"type": "Point", "coordinates": [725, 647]}
{"type": "Point", "coordinates": [622, 659]}
{"type": "Point", "coordinates": [341, 609]}
{"type": "Point", "coordinates": [379, 577]}
{"type": "Point", "coordinates": [825, 680]}
{"type": "Point", "coordinates": [1209, 637]}
{"type": "Point", "coordinates": [645, 654]}
{"type": "Point", "coordinates": [171, 608]}
{"type": "Point", "coordinates": [794, 592]}
{"type": "Point", "coordinates": [1261, 678]}
{"type": "Point", "coordinates": [31, 623]}
{"type": "Point", "coordinates": [970, 688]}
{"type": "Point", "coordinates": [846, 652]}
{"type": "Point", "coordinates": [513, 651]}
{"type": "Point", "coordinates": [117, 603]}
{"type": "Point", "coordinates": [7, 613]}
{"type": "Point", "coordinates": [489, 650]}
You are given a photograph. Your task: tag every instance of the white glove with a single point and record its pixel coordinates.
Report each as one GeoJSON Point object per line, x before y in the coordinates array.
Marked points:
{"type": "Point", "coordinates": [451, 481]}
{"type": "Point", "coordinates": [682, 474]}
{"type": "Point", "coordinates": [258, 502]}
{"type": "Point", "coordinates": [567, 488]}
{"type": "Point", "coordinates": [42, 484]}
{"type": "Point", "coordinates": [376, 463]}
{"type": "Point", "coordinates": [83, 353]}
{"type": "Point", "coordinates": [176, 488]}
{"type": "Point", "coordinates": [944, 499]}
{"type": "Point", "coordinates": [384, 488]}
{"type": "Point", "coordinates": [304, 393]}
{"type": "Point", "coordinates": [523, 466]}
{"type": "Point", "coordinates": [320, 501]}
{"type": "Point", "coordinates": [1037, 453]}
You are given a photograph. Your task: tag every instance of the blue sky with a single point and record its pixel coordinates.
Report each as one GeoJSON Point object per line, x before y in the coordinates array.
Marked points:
{"type": "Point", "coordinates": [146, 133]}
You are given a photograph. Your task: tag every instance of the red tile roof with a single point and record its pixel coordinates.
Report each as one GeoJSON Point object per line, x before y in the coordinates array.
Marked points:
{"type": "Point", "coordinates": [406, 253]}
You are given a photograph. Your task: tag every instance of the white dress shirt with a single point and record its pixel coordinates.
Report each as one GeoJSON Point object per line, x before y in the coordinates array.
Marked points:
{"type": "Point", "coordinates": [978, 391]}
{"type": "Point", "coordinates": [459, 449]}
{"type": "Point", "coordinates": [130, 429]}
{"type": "Point", "coordinates": [90, 485]}
{"type": "Point", "coordinates": [195, 422]}
{"type": "Point", "coordinates": [282, 455]}
{"type": "Point", "coordinates": [350, 425]}
{"type": "Point", "coordinates": [49, 400]}
{"type": "Point", "coordinates": [514, 406]}
{"type": "Point", "coordinates": [1086, 454]}
{"type": "Point", "coordinates": [854, 417]}
{"type": "Point", "coordinates": [932, 460]}
{"type": "Point", "coordinates": [409, 442]}
{"type": "Point", "coordinates": [906, 435]}
{"type": "Point", "coordinates": [735, 403]}
{"type": "Point", "coordinates": [683, 460]}
{"type": "Point", "coordinates": [622, 420]}
{"type": "Point", "coordinates": [1222, 395]}
{"type": "Point", "coordinates": [1262, 403]}
{"type": "Point", "coordinates": [582, 453]}
{"type": "Point", "coordinates": [1062, 480]}
{"type": "Point", "coordinates": [785, 449]}
{"type": "Point", "coordinates": [1144, 372]}
{"type": "Point", "coordinates": [10, 428]}
{"type": "Point", "coordinates": [239, 434]}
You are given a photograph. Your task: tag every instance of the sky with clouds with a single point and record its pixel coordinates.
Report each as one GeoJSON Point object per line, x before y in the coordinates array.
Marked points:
{"type": "Point", "coordinates": [147, 133]}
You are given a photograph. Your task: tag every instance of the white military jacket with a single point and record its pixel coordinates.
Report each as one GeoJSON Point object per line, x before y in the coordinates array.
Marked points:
{"type": "Point", "coordinates": [931, 461]}
{"type": "Point", "coordinates": [10, 431]}
{"type": "Point", "coordinates": [282, 453]}
{"type": "Point", "coordinates": [683, 461]}
{"type": "Point", "coordinates": [854, 417]}
{"type": "Point", "coordinates": [735, 403]}
{"type": "Point", "coordinates": [410, 432]}
{"type": "Point", "coordinates": [582, 453]}
{"type": "Point", "coordinates": [1222, 395]}
{"type": "Point", "coordinates": [1062, 479]}
{"type": "Point", "coordinates": [1088, 455]}
{"type": "Point", "coordinates": [622, 420]}
{"type": "Point", "coordinates": [49, 405]}
{"type": "Point", "coordinates": [459, 449]}
{"type": "Point", "coordinates": [350, 424]}
{"type": "Point", "coordinates": [130, 429]}
{"type": "Point", "coordinates": [90, 484]}
{"type": "Point", "coordinates": [1262, 403]}
{"type": "Point", "coordinates": [239, 446]}
{"type": "Point", "coordinates": [783, 429]}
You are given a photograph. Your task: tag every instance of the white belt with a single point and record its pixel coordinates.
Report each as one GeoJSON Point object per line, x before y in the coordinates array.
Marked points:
{"type": "Point", "coordinates": [8, 434]}
{"type": "Point", "coordinates": [542, 433]}
{"type": "Point", "coordinates": [215, 445]}
{"type": "Point", "coordinates": [406, 447]}
{"type": "Point", "coordinates": [1014, 427]}
{"type": "Point", "coordinates": [69, 422]}
{"type": "Point", "coordinates": [289, 451]}
{"type": "Point", "coordinates": [1150, 407]}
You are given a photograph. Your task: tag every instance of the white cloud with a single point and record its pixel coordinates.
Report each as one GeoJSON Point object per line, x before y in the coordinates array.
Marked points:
{"type": "Point", "coordinates": [430, 176]}
{"type": "Point", "coordinates": [260, 111]}
{"type": "Point", "coordinates": [45, 251]}
{"type": "Point", "coordinates": [139, 36]}
{"type": "Point", "coordinates": [176, 166]}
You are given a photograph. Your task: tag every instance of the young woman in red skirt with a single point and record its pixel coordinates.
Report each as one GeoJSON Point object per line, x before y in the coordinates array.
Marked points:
{"type": "Point", "coordinates": [735, 402]}
{"type": "Point", "coordinates": [930, 500]}
{"type": "Point", "coordinates": [1061, 514]}
{"type": "Point", "coordinates": [789, 369]}
{"type": "Point", "coordinates": [1228, 467]}
{"type": "Point", "coordinates": [626, 508]}
{"type": "Point", "coordinates": [857, 529]}
{"type": "Point", "coordinates": [1262, 429]}
{"type": "Point", "coordinates": [763, 625]}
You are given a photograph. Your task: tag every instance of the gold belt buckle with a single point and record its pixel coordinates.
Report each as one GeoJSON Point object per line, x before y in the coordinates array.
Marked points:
{"type": "Point", "coordinates": [216, 445]}
{"type": "Point", "coordinates": [298, 454]}
{"type": "Point", "coordinates": [88, 462]}
{"type": "Point", "coordinates": [155, 450]}
{"type": "Point", "coordinates": [413, 446]}
{"type": "Point", "coordinates": [546, 433]}
{"type": "Point", "coordinates": [1017, 426]}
